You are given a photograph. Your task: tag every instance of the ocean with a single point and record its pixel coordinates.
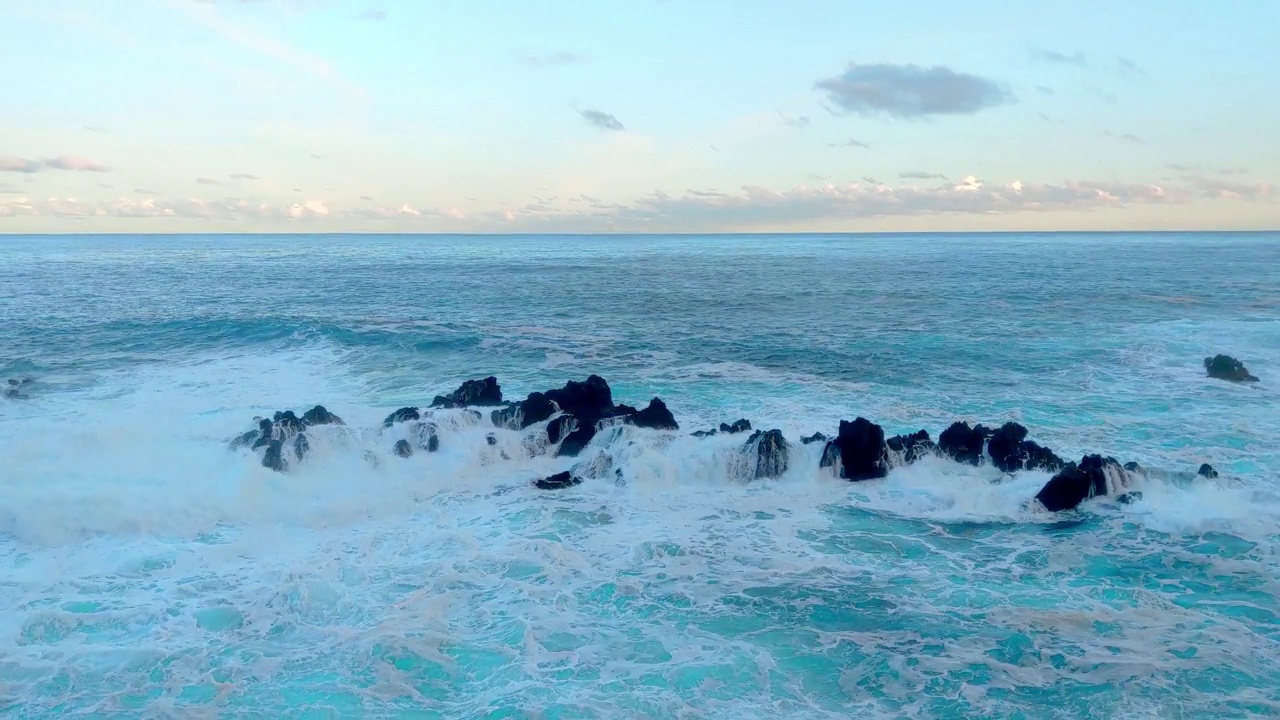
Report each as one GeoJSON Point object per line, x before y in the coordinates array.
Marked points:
{"type": "Point", "coordinates": [148, 569]}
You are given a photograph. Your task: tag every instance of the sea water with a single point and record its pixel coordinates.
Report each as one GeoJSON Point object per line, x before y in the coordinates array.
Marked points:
{"type": "Point", "coordinates": [148, 570]}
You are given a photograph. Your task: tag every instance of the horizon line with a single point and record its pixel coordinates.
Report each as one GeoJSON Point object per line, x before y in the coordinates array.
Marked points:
{"type": "Point", "coordinates": [7, 234]}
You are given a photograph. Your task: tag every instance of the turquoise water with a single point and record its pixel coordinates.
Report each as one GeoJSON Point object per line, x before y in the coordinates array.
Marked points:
{"type": "Point", "coordinates": [148, 570]}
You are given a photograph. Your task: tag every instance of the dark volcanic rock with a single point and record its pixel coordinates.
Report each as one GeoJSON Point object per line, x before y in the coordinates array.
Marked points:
{"type": "Point", "coordinates": [287, 422]}
{"type": "Point", "coordinates": [1076, 483]}
{"type": "Point", "coordinates": [830, 455]}
{"type": "Point", "coordinates": [1206, 470]}
{"type": "Point", "coordinates": [402, 448]}
{"type": "Point", "coordinates": [1225, 367]}
{"type": "Point", "coordinates": [1011, 451]}
{"type": "Point", "coordinates": [576, 441]}
{"type": "Point", "coordinates": [741, 425]}
{"type": "Point", "coordinates": [770, 453]}
{"type": "Point", "coordinates": [472, 392]}
{"type": "Point", "coordinates": [911, 447]}
{"type": "Point", "coordinates": [656, 416]}
{"type": "Point", "coordinates": [560, 428]}
{"type": "Point", "coordinates": [703, 433]}
{"type": "Point", "coordinates": [301, 445]}
{"type": "Point", "coordinates": [491, 439]}
{"type": "Point", "coordinates": [963, 443]}
{"type": "Point", "coordinates": [273, 458]}
{"type": "Point", "coordinates": [265, 431]}
{"type": "Point", "coordinates": [404, 414]}
{"type": "Point", "coordinates": [558, 481]}
{"type": "Point", "coordinates": [1128, 498]}
{"type": "Point", "coordinates": [532, 410]}
{"type": "Point", "coordinates": [816, 437]}
{"type": "Point", "coordinates": [862, 450]}
{"type": "Point", "coordinates": [426, 436]}
{"type": "Point", "coordinates": [319, 416]}
{"type": "Point", "coordinates": [1134, 468]}
{"type": "Point", "coordinates": [590, 400]}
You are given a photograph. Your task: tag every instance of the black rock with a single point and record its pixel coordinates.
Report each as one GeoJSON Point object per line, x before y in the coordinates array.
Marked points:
{"type": "Point", "coordinates": [1133, 468]}
{"type": "Point", "coordinates": [472, 392]}
{"type": "Point", "coordinates": [319, 416]}
{"type": "Point", "coordinates": [560, 428]}
{"type": "Point", "coordinates": [1011, 451]}
{"type": "Point", "coordinates": [862, 450]}
{"type": "Point", "coordinates": [576, 441]}
{"type": "Point", "coordinates": [491, 439]}
{"type": "Point", "coordinates": [301, 446]}
{"type": "Point", "coordinates": [12, 393]}
{"type": "Point", "coordinates": [1225, 367]}
{"type": "Point", "coordinates": [1076, 483]}
{"type": "Point", "coordinates": [656, 416]}
{"type": "Point", "coordinates": [738, 426]}
{"type": "Point", "coordinates": [816, 437]}
{"type": "Point", "coordinates": [911, 447]}
{"type": "Point", "coordinates": [1206, 470]}
{"type": "Point", "coordinates": [427, 437]}
{"type": "Point", "coordinates": [559, 481]}
{"type": "Point", "coordinates": [274, 458]}
{"type": "Point", "coordinates": [288, 423]}
{"type": "Point", "coordinates": [404, 414]}
{"type": "Point", "coordinates": [246, 439]}
{"type": "Point", "coordinates": [1128, 498]}
{"type": "Point", "coordinates": [532, 410]}
{"type": "Point", "coordinates": [963, 443]}
{"type": "Point", "coordinates": [830, 455]}
{"type": "Point", "coordinates": [590, 400]}
{"type": "Point", "coordinates": [265, 433]}
{"type": "Point", "coordinates": [14, 382]}
{"type": "Point", "coordinates": [703, 433]}
{"type": "Point", "coordinates": [771, 453]}
{"type": "Point", "coordinates": [402, 448]}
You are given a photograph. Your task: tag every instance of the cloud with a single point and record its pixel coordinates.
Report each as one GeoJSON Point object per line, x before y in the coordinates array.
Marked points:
{"type": "Point", "coordinates": [1126, 137]}
{"type": "Point", "coordinates": [601, 120]}
{"type": "Point", "coordinates": [553, 59]}
{"type": "Point", "coordinates": [207, 181]}
{"type": "Point", "coordinates": [799, 122]}
{"type": "Point", "coordinates": [9, 163]}
{"type": "Point", "coordinates": [1056, 58]}
{"type": "Point", "coordinates": [921, 175]}
{"type": "Point", "coordinates": [1127, 68]}
{"type": "Point", "coordinates": [1201, 169]}
{"type": "Point", "coordinates": [373, 15]}
{"type": "Point", "coordinates": [366, 198]}
{"type": "Point", "coordinates": [850, 143]}
{"type": "Point", "coordinates": [911, 91]}
{"type": "Point", "coordinates": [1221, 189]}
{"type": "Point", "coordinates": [244, 176]}
{"type": "Point", "coordinates": [142, 191]}
{"type": "Point", "coordinates": [1045, 90]}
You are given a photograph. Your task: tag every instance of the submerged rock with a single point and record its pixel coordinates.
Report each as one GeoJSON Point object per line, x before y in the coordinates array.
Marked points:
{"type": "Point", "coordinates": [816, 437]}
{"type": "Point", "coordinates": [472, 392]}
{"type": "Point", "coordinates": [962, 443]}
{"type": "Point", "coordinates": [301, 445]}
{"type": "Point", "coordinates": [1128, 498]}
{"type": "Point", "coordinates": [426, 436]}
{"type": "Point", "coordinates": [404, 414]}
{"type": "Point", "coordinates": [862, 450]}
{"type": "Point", "coordinates": [1225, 367]}
{"type": "Point", "coordinates": [911, 447]}
{"type": "Point", "coordinates": [1206, 470]}
{"type": "Point", "coordinates": [1092, 477]}
{"type": "Point", "coordinates": [558, 481]}
{"type": "Point", "coordinates": [402, 448]}
{"type": "Point", "coordinates": [770, 452]}
{"type": "Point", "coordinates": [738, 426]}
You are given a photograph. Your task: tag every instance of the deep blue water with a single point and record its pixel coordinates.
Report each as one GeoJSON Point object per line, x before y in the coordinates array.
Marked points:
{"type": "Point", "coordinates": [146, 569]}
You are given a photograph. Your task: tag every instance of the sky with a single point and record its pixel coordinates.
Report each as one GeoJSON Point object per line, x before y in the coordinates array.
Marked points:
{"type": "Point", "coordinates": [311, 116]}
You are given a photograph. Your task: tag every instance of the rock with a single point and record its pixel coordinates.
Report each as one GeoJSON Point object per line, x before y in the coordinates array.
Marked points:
{"type": "Point", "coordinates": [14, 382]}
{"type": "Point", "coordinates": [738, 426]}
{"type": "Point", "coordinates": [862, 450]}
{"type": "Point", "coordinates": [589, 400]}
{"type": "Point", "coordinates": [532, 410]}
{"type": "Point", "coordinates": [816, 437]}
{"type": "Point", "coordinates": [1128, 498]}
{"type": "Point", "coordinates": [472, 392]}
{"type": "Point", "coordinates": [426, 436]}
{"type": "Point", "coordinates": [576, 441]}
{"type": "Point", "coordinates": [491, 439]}
{"type": "Point", "coordinates": [1094, 476]}
{"type": "Point", "coordinates": [1225, 367]}
{"type": "Point", "coordinates": [1206, 470]}
{"type": "Point", "coordinates": [13, 393]}
{"type": "Point", "coordinates": [246, 439]}
{"type": "Point", "coordinates": [963, 443]}
{"type": "Point", "coordinates": [402, 448]}
{"type": "Point", "coordinates": [265, 431]}
{"type": "Point", "coordinates": [404, 414]}
{"type": "Point", "coordinates": [287, 423]}
{"type": "Point", "coordinates": [655, 416]}
{"type": "Point", "coordinates": [560, 428]}
{"type": "Point", "coordinates": [1010, 451]}
{"type": "Point", "coordinates": [703, 433]}
{"type": "Point", "coordinates": [771, 453]}
{"type": "Point", "coordinates": [911, 447]}
{"type": "Point", "coordinates": [558, 481]}
{"type": "Point", "coordinates": [319, 416]}
{"type": "Point", "coordinates": [301, 446]}
{"type": "Point", "coordinates": [1134, 468]}
{"type": "Point", "coordinates": [830, 455]}
{"type": "Point", "coordinates": [273, 458]}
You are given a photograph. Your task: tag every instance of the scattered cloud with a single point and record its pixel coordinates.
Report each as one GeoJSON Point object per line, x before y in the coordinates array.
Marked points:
{"type": "Point", "coordinates": [799, 122]}
{"type": "Point", "coordinates": [244, 176]}
{"type": "Point", "coordinates": [95, 129]}
{"type": "Point", "coordinates": [1222, 189]}
{"type": "Point", "coordinates": [366, 198]}
{"type": "Point", "coordinates": [1125, 137]}
{"type": "Point", "coordinates": [551, 59]}
{"type": "Point", "coordinates": [921, 175]}
{"type": "Point", "coordinates": [911, 91]}
{"type": "Point", "coordinates": [1057, 58]}
{"type": "Point", "coordinates": [850, 143]}
{"type": "Point", "coordinates": [142, 191]}
{"type": "Point", "coordinates": [1129, 69]}
{"type": "Point", "coordinates": [601, 120]}
{"type": "Point", "coordinates": [1201, 169]}
{"type": "Point", "coordinates": [373, 15]}
{"type": "Point", "coordinates": [1045, 90]}
{"type": "Point", "coordinates": [207, 181]}
{"type": "Point", "coordinates": [10, 163]}
{"type": "Point", "coordinates": [1105, 96]}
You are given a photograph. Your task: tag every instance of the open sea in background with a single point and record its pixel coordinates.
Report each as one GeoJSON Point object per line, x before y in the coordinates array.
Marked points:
{"type": "Point", "coordinates": [147, 570]}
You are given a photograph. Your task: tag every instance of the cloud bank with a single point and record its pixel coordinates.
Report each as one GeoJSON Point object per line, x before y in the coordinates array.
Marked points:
{"type": "Point", "coordinates": [10, 163]}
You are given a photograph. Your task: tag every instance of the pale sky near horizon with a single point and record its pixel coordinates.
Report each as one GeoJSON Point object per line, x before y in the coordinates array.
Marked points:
{"type": "Point", "coordinates": [637, 115]}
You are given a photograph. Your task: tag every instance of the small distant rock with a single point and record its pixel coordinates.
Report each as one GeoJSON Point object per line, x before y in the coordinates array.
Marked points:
{"type": "Point", "coordinates": [1225, 367]}
{"type": "Point", "coordinates": [559, 481]}
{"type": "Point", "coordinates": [1206, 470]}
{"type": "Point", "coordinates": [1129, 498]}
{"type": "Point", "coordinates": [655, 416]}
{"type": "Point", "coordinates": [404, 414]}
{"type": "Point", "coordinates": [816, 437]}
{"type": "Point", "coordinates": [319, 416]}
{"type": "Point", "coordinates": [402, 448]}
{"type": "Point", "coordinates": [741, 425]}
{"type": "Point", "coordinates": [472, 392]}
{"type": "Point", "coordinates": [962, 443]}
{"type": "Point", "coordinates": [771, 453]}
{"type": "Point", "coordinates": [911, 447]}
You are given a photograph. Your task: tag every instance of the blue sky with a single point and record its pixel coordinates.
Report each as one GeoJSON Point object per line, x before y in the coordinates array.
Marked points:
{"type": "Point", "coordinates": [645, 115]}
